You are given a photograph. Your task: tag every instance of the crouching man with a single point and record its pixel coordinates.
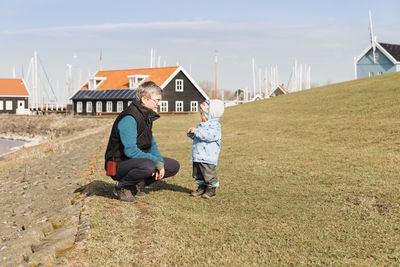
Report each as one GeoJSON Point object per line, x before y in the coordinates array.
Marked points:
{"type": "Point", "coordinates": [133, 149]}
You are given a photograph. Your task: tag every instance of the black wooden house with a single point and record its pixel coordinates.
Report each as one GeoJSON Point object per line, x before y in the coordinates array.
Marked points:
{"type": "Point", "coordinates": [14, 96]}
{"type": "Point", "coordinates": [110, 92]}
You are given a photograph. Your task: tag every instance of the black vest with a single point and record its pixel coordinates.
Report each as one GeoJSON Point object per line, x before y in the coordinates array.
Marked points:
{"type": "Point", "coordinates": [144, 118]}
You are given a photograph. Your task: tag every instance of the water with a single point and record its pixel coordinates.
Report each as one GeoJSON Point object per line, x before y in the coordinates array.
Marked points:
{"type": "Point", "coordinates": [7, 145]}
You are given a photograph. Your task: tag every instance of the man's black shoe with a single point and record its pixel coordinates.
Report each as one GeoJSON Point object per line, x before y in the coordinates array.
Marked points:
{"type": "Point", "coordinates": [137, 189]}
{"type": "Point", "coordinates": [124, 194]}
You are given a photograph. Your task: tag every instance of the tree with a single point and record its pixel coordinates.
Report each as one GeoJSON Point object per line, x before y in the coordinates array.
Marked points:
{"type": "Point", "coordinates": [208, 87]}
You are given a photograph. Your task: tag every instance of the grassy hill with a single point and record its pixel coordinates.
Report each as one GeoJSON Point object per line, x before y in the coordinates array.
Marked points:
{"type": "Point", "coordinates": [311, 178]}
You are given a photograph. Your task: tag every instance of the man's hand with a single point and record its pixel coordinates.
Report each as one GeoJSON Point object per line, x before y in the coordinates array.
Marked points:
{"type": "Point", "coordinates": [160, 174]}
{"type": "Point", "coordinates": [190, 130]}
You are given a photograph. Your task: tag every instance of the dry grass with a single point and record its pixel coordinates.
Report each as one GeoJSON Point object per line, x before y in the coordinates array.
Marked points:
{"type": "Point", "coordinates": [51, 134]}
{"type": "Point", "coordinates": [55, 124]}
{"type": "Point", "coordinates": [310, 178]}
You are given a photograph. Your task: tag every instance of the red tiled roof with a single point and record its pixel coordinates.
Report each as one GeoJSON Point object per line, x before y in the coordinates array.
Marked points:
{"type": "Point", "coordinates": [118, 79]}
{"type": "Point", "coordinates": [283, 89]}
{"type": "Point", "coordinates": [13, 87]}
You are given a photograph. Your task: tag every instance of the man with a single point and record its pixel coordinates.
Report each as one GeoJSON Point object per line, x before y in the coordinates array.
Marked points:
{"type": "Point", "coordinates": [133, 148]}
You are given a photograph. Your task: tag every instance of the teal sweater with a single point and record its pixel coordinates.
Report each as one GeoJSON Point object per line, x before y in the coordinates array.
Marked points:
{"type": "Point", "coordinates": [127, 128]}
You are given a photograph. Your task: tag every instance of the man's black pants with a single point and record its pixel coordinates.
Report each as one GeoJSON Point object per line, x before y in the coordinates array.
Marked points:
{"type": "Point", "coordinates": [133, 171]}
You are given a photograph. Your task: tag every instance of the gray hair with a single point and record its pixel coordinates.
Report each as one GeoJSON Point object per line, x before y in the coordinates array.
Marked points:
{"type": "Point", "coordinates": [147, 89]}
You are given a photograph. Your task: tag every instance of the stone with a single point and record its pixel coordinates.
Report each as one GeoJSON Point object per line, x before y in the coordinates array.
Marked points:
{"type": "Point", "coordinates": [18, 252]}
{"type": "Point", "coordinates": [33, 215]}
{"type": "Point", "coordinates": [46, 227]}
{"type": "Point", "coordinates": [44, 257]}
{"type": "Point", "coordinates": [33, 235]}
{"type": "Point", "coordinates": [60, 241]}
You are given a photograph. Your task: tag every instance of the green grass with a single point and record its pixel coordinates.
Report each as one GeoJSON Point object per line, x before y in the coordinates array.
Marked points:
{"type": "Point", "coordinates": [310, 178]}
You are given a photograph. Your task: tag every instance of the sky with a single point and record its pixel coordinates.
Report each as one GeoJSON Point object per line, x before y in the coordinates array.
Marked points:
{"type": "Point", "coordinates": [325, 35]}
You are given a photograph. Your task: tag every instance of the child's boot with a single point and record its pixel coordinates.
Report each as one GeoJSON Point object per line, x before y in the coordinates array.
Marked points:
{"type": "Point", "coordinates": [210, 192]}
{"type": "Point", "coordinates": [200, 190]}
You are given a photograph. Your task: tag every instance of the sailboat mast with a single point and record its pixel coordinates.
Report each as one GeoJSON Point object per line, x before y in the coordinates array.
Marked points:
{"type": "Point", "coordinates": [216, 77]}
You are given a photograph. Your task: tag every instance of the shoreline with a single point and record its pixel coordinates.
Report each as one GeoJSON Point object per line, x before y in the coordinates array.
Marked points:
{"type": "Point", "coordinates": [29, 142]}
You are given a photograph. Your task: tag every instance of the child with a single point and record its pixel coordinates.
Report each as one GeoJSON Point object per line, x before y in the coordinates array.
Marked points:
{"type": "Point", "coordinates": [206, 146]}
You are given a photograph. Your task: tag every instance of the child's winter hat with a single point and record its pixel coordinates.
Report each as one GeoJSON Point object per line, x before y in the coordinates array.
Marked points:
{"type": "Point", "coordinates": [205, 107]}
{"type": "Point", "coordinates": [212, 108]}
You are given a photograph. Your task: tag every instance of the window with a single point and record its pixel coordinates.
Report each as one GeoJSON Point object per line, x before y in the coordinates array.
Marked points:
{"type": "Point", "coordinates": [179, 106]}
{"type": "Point", "coordinates": [380, 73]}
{"type": "Point", "coordinates": [9, 105]}
{"type": "Point", "coordinates": [194, 106]}
{"type": "Point", "coordinates": [129, 103]}
{"type": "Point", "coordinates": [371, 74]}
{"type": "Point", "coordinates": [164, 106]}
{"type": "Point", "coordinates": [179, 85]}
{"type": "Point", "coordinates": [79, 107]}
{"type": "Point", "coordinates": [109, 106]}
{"type": "Point", "coordinates": [120, 106]}
{"type": "Point", "coordinates": [95, 82]}
{"type": "Point", "coordinates": [136, 80]}
{"type": "Point", "coordinates": [89, 107]}
{"type": "Point", "coordinates": [99, 106]}
{"type": "Point", "coordinates": [1, 105]}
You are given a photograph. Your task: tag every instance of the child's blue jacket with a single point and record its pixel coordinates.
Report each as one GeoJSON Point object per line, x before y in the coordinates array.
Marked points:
{"type": "Point", "coordinates": [206, 141]}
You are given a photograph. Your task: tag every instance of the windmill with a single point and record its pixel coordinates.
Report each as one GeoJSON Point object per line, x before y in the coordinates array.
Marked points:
{"type": "Point", "coordinates": [372, 37]}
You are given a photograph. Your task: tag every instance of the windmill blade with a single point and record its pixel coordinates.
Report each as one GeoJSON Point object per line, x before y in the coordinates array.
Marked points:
{"type": "Point", "coordinates": [371, 35]}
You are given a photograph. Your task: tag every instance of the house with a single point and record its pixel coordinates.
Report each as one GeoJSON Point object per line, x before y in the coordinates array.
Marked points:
{"type": "Point", "coordinates": [257, 97]}
{"type": "Point", "coordinates": [14, 96]}
{"type": "Point", "coordinates": [110, 92]}
{"type": "Point", "coordinates": [377, 59]}
{"type": "Point", "coordinates": [279, 90]}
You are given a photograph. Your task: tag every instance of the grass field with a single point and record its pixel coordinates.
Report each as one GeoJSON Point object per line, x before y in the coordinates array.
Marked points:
{"type": "Point", "coordinates": [311, 178]}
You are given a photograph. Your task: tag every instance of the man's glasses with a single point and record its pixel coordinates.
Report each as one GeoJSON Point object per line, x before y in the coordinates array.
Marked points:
{"type": "Point", "coordinates": [156, 101]}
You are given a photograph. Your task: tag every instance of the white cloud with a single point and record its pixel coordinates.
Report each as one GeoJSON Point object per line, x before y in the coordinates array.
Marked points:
{"type": "Point", "coordinates": [178, 25]}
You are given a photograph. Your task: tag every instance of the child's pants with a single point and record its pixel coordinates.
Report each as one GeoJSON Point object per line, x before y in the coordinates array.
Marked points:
{"type": "Point", "coordinates": [205, 173]}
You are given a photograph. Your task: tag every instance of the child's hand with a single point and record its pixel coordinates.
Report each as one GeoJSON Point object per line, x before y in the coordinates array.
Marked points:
{"type": "Point", "coordinates": [190, 130]}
